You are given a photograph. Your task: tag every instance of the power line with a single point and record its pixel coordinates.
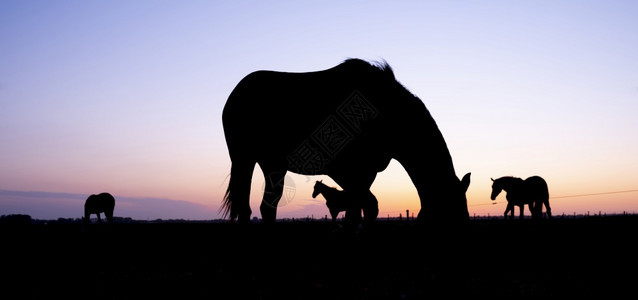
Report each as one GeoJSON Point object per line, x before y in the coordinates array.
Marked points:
{"type": "Point", "coordinates": [487, 203]}
{"type": "Point", "coordinates": [595, 194]}
{"type": "Point", "coordinates": [569, 196]}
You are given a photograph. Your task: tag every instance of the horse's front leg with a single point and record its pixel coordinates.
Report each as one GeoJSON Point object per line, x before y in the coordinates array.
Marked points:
{"type": "Point", "coordinates": [370, 208]}
{"type": "Point", "coordinates": [510, 209]}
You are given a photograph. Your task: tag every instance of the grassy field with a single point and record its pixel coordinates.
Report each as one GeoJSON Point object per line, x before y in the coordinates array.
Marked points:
{"type": "Point", "coordinates": [589, 256]}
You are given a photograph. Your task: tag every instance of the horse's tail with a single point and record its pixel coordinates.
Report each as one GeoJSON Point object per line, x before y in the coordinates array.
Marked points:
{"type": "Point", "coordinates": [237, 197]}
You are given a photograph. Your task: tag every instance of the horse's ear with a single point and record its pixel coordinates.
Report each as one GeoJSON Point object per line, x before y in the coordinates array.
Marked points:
{"type": "Point", "coordinates": [492, 178]}
{"type": "Point", "coordinates": [465, 182]}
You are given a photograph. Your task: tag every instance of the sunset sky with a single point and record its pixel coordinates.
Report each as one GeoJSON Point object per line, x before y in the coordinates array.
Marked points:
{"type": "Point", "coordinates": [126, 97]}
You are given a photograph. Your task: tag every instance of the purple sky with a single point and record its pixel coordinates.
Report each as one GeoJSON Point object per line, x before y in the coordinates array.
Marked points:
{"type": "Point", "coordinates": [126, 97]}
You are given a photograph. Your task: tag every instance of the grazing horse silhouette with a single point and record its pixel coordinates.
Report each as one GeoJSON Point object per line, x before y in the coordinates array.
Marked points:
{"type": "Point", "coordinates": [96, 204]}
{"type": "Point", "coordinates": [532, 191]}
{"type": "Point", "coordinates": [338, 201]}
{"type": "Point", "coordinates": [346, 122]}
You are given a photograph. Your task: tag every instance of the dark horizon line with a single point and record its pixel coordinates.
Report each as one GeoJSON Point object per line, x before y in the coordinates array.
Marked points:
{"type": "Point", "coordinates": [308, 219]}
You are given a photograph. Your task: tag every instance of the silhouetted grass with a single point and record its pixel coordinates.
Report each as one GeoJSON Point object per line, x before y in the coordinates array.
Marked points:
{"type": "Point", "coordinates": [572, 257]}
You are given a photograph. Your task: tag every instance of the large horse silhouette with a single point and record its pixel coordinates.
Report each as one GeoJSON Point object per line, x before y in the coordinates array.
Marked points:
{"type": "Point", "coordinates": [346, 122]}
{"type": "Point", "coordinates": [96, 204]}
{"type": "Point", "coordinates": [338, 201]}
{"type": "Point", "coordinates": [532, 191]}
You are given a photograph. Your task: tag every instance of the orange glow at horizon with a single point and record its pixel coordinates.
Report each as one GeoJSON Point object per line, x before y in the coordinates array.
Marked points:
{"type": "Point", "coordinates": [396, 194]}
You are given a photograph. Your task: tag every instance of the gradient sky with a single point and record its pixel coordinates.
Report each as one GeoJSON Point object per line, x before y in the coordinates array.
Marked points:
{"type": "Point", "coordinates": [126, 96]}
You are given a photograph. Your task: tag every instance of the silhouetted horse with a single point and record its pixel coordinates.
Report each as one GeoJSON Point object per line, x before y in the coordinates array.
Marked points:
{"type": "Point", "coordinates": [338, 201]}
{"type": "Point", "coordinates": [346, 122]}
{"type": "Point", "coordinates": [96, 204]}
{"type": "Point", "coordinates": [532, 191]}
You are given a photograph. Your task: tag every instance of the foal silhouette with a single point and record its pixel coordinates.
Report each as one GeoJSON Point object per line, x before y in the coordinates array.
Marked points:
{"type": "Point", "coordinates": [96, 204]}
{"type": "Point", "coordinates": [532, 191]}
{"type": "Point", "coordinates": [338, 201]}
{"type": "Point", "coordinates": [346, 122]}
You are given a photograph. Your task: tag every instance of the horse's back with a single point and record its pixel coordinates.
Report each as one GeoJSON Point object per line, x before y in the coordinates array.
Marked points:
{"type": "Point", "coordinates": [263, 94]}
{"type": "Point", "coordinates": [100, 202]}
{"type": "Point", "coordinates": [284, 98]}
{"type": "Point", "coordinates": [272, 116]}
{"type": "Point", "coordinates": [537, 186]}
{"type": "Point", "coordinates": [108, 199]}
{"type": "Point", "coordinates": [278, 109]}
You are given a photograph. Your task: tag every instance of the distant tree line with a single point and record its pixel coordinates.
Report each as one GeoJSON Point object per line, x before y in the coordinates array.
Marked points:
{"type": "Point", "coordinates": [17, 219]}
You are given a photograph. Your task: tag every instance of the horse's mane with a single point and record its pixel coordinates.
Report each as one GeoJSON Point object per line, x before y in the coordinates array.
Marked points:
{"type": "Point", "coordinates": [381, 67]}
{"type": "Point", "coordinates": [376, 68]}
{"type": "Point", "coordinates": [510, 179]}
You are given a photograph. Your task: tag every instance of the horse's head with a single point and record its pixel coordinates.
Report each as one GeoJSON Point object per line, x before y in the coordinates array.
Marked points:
{"type": "Point", "coordinates": [497, 187]}
{"type": "Point", "coordinates": [318, 185]}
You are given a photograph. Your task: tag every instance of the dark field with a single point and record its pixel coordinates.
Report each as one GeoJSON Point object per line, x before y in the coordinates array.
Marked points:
{"type": "Point", "coordinates": [594, 256]}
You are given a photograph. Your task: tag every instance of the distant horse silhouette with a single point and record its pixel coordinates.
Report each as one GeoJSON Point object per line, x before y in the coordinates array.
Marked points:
{"type": "Point", "coordinates": [338, 201]}
{"type": "Point", "coordinates": [96, 204]}
{"type": "Point", "coordinates": [346, 122]}
{"type": "Point", "coordinates": [532, 191]}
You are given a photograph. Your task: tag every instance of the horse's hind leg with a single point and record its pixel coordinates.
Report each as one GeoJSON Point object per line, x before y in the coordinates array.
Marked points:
{"type": "Point", "coordinates": [536, 207]}
{"type": "Point", "coordinates": [237, 199]}
{"type": "Point", "coordinates": [273, 190]}
{"type": "Point", "coordinates": [109, 216]}
{"type": "Point", "coordinates": [549, 210]}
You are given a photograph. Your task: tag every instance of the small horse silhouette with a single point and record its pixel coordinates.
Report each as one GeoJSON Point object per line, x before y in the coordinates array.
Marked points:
{"type": "Point", "coordinates": [532, 191]}
{"type": "Point", "coordinates": [338, 201]}
{"type": "Point", "coordinates": [96, 204]}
